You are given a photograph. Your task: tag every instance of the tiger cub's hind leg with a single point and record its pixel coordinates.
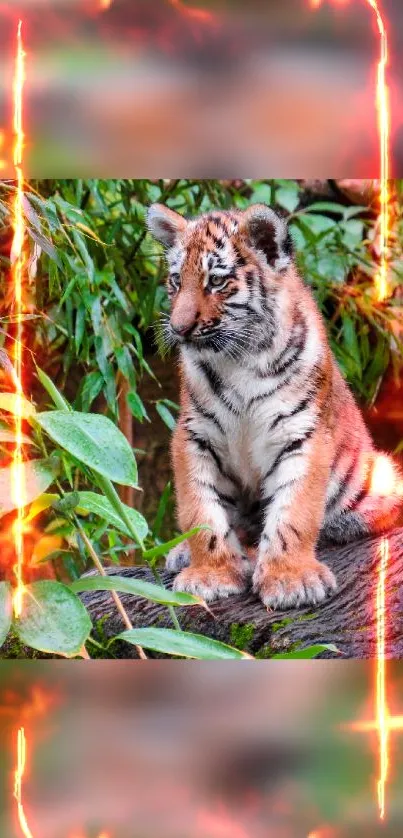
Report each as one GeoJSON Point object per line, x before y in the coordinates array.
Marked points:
{"type": "Point", "coordinates": [368, 505]}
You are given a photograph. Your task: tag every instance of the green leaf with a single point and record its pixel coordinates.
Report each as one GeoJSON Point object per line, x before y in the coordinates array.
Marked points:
{"type": "Point", "coordinates": [44, 501]}
{"type": "Point", "coordinates": [136, 406]}
{"type": "Point", "coordinates": [53, 619]}
{"type": "Point", "coordinates": [45, 244]}
{"type": "Point", "coordinates": [308, 653]}
{"type": "Point", "coordinates": [326, 206]}
{"type": "Point", "coordinates": [99, 505]}
{"type": "Point", "coordinates": [6, 610]}
{"type": "Point", "coordinates": [155, 593]}
{"type": "Point", "coordinates": [183, 644]}
{"type": "Point", "coordinates": [52, 390]}
{"type": "Point", "coordinates": [287, 195]}
{"type": "Point", "coordinates": [90, 387]}
{"type": "Point", "coordinates": [166, 415]}
{"type": "Point", "coordinates": [161, 549]}
{"type": "Point", "coordinates": [350, 340]}
{"type": "Point", "coordinates": [12, 403]}
{"type": "Point", "coordinates": [95, 441]}
{"type": "Point", "coordinates": [34, 475]}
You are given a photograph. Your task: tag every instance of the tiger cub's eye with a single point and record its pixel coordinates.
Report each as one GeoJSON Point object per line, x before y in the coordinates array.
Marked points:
{"type": "Point", "coordinates": [174, 280]}
{"type": "Point", "coordinates": [218, 281]}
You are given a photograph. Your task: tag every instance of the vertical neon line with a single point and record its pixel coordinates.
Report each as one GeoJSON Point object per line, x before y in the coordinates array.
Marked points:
{"type": "Point", "coordinates": [18, 486]}
{"type": "Point", "coordinates": [18, 782]}
{"type": "Point", "coordinates": [382, 713]}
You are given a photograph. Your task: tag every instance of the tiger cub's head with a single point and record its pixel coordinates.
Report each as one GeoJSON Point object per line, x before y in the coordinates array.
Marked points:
{"type": "Point", "coordinates": [224, 267]}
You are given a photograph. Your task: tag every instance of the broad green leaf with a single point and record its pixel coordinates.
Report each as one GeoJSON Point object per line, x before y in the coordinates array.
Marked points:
{"type": "Point", "coordinates": [52, 390]}
{"type": "Point", "coordinates": [287, 195]}
{"type": "Point", "coordinates": [34, 475]}
{"type": "Point", "coordinates": [99, 505]}
{"type": "Point", "coordinates": [308, 653]}
{"type": "Point", "coordinates": [12, 403]}
{"type": "Point", "coordinates": [162, 549]}
{"type": "Point", "coordinates": [155, 593]}
{"type": "Point", "coordinates": [95, 441]}
{"type": "Point", "coordinates": [6, 610]}
{"type": "Point", "coordinates": [181, 643]}
{"type": "Point", "coordinates": [53, 619]}
{"type": "Point", "coordinates": [39, 505]}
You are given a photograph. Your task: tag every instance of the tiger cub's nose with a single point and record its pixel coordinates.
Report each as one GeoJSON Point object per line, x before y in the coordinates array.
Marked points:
{"type": "Point", "coordinates": [182, 329]}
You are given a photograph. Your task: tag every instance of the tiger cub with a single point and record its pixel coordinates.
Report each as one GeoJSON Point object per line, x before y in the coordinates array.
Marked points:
{"type": "Point", "coordinates": [270, 449]}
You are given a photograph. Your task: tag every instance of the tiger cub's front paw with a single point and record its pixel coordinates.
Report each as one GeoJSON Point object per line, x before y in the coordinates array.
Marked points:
{"type": "Point", "coordinates": [178, 557]}
{"type": "Point", "coordinates": [284, 585]}
{"type": "Point", "coordinates": [211, 583]}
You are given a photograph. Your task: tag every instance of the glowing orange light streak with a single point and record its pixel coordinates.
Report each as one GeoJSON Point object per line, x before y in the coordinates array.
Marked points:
{"type": "Point", "coordinates": [2, 141]}
{"type": "Point", "coordinates": [18, 782]}
{"type": "Point", "coordinates": [383, 724]}
{"type": "Point", "coordinates": [383, 114]}
{"type": "Point", "coordinates": [382, 713]}
{"type": "Point", "coordinates": [18, 264]}
{"type": "Point", "coordinates": [19, 775]}
{"type": "Point", "coordinates": [192, 12]}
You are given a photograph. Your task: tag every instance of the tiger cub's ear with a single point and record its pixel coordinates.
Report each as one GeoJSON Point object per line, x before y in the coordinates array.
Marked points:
{"type": "Point", "coordinates": [165, 224]}
{"type": "Point", "coordinates": [269, 233]}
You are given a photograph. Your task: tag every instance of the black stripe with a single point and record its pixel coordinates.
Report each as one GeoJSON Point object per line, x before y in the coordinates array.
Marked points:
{"type": "Point", "coordinates": [207, 414]}
{"type": "Point", "coordinates": [297, 409]}
{"type": "Point", "coordinates": [283, 541]}
{"type": "Point", "coordinates": [356, 502]}
{"type": "Point", "coordinates": [294, 530]}
{"type": "Point", "coordinates": [266, 501]}
{"type": "Point", "coordinates": [226, 498]}
{"type": "Point", "coordinates": [279, 365]}
{"type": "Point", "coordinates": [273, 390]}
{"type": "Point", "coordinates": [204, 445]}
{"type": "Point", "coordinates": [213, 378]}
{"type": "Point", "coordinates": [278, 369]}
{"type": "Point", "coordinates": [343, 485]}
{"type": "Point", "coordinates": [291, 448]}
{"type": "Point", "coordinates": [238, 305]}
{"type": "Point", "coordinates": [212, 543]}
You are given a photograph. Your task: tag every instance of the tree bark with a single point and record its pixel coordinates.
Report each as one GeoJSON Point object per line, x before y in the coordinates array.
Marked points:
{"type": "Point", "coordinates": [348, 619]}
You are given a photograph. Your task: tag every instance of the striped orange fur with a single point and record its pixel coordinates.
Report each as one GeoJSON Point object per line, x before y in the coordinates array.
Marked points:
{"type": "Point", "coordinates": [270, 449]}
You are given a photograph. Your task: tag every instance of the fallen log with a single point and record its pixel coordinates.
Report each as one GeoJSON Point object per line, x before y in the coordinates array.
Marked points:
{"type": "Point", "coordinates": [348, 619]}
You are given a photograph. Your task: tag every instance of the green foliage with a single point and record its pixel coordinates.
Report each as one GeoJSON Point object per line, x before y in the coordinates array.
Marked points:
{"type": "Point", "coordinates": [93, 440]}
{"type": "Point", "coordinates": [123, 585]}
{"type": "Point", "coordinates": [5, 610]}
{"type": "Point", "coordinates": [53, 619]}
{"type": "Point", "coordinates": [183, 644]}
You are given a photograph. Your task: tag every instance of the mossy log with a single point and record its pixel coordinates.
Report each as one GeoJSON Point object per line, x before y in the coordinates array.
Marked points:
{"type": "Point", "coordinates": [348, 619]}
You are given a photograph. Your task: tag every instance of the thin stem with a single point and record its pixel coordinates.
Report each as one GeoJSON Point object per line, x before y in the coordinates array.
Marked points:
{"type": "Point", "coordinates": [102, 571]}
{"type": "Point", "coordinates": [171, 609]}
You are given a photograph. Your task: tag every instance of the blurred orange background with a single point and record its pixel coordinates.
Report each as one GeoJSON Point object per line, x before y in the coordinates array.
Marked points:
{"type": "Point", "coordinates": [136, 88]}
